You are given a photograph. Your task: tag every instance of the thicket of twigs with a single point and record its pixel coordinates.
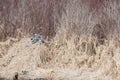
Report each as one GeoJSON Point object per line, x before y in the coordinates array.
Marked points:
{"type": "Point", "coordinates": [26, 17]}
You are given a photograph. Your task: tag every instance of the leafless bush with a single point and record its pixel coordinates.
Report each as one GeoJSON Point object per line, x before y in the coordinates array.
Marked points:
{"type": "Point", "coordinates": [97, 17]}
{"type": "Point", "coordinates": [47, 16]}
{"type": "Point", "coordinates": [38, 16]}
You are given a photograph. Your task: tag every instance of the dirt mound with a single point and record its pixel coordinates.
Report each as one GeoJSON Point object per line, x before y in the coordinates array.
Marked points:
{"type": "Point", "coordinates": [77, 58]}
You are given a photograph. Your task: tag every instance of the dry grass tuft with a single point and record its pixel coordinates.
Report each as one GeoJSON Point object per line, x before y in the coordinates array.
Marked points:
{"type": "Point", "coordinates": [86, 45]}
{"type": "Point", "coordinates": [82, 54]}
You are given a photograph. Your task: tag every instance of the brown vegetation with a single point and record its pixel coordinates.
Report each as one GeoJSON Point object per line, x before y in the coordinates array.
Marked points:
{"type": "Point", "coordinates": [45, 17]}
{"type": "Point", "coordinates": [84, 39]}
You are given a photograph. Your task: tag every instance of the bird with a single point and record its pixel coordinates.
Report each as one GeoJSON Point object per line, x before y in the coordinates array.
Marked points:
{"type": "Point", "coordinates": [37, 38]}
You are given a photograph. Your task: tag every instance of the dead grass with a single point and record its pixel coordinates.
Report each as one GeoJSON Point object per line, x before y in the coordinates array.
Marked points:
{"type": "Point", "coordinates": [86, 46]}
{"type": "Point", "coordinates": [79, 57]}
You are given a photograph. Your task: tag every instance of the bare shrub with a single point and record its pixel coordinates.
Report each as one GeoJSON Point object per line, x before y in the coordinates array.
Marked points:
{"type": "Point", "coordinates": [39, 16]}
{"type": "Point", "coordinates": [47, 17]}
{"type": "Point", "coordinates": [94, 17]}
